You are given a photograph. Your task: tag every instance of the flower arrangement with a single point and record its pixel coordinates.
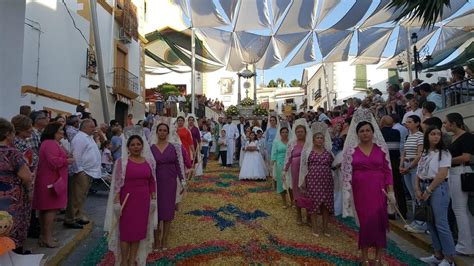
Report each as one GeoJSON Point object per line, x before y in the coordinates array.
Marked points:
{"type": "Point", "coordinates": [260, 111]}
{"type": "Point", "coordinates": [232, 111]}
{"type": "Point", "coordinates": [247, 102]}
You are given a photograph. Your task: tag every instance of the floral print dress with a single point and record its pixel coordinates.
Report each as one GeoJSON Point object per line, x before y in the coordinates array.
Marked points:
{"type": "Point", "coordinates": [13, 196]}
{"type": "Point", "coordinates": [320, 182]}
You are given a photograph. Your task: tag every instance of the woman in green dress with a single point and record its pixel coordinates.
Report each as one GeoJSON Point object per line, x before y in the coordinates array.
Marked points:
{"type": "Point", "coordinates": [278, 161]}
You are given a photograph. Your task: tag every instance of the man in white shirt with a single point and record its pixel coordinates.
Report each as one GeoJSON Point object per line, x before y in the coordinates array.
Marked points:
{"type": "Point", "coordinates": [402, 129]}
{"type": "Point", "coordinates": [232, 133]}
{"type": "Point", "coordinates": [86, 166]}
{"type": "Point", "coordinates": [181, 102]}
{"type": "Point", "coordinates": [414, 108]}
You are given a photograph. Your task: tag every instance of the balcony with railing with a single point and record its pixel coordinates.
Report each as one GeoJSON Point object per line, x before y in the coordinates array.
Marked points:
{"type": "Point", "coordinates": [458, 93]}
{"type": "Point", "coordinates": [125, 83]}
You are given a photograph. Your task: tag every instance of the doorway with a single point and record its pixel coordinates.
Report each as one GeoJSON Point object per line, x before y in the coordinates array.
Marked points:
{"type": "Point", "coordinates": [121, 112]}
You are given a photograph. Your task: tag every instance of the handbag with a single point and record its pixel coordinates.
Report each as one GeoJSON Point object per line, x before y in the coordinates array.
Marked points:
{"type": "Point", "coordinates": [467, 181]}
{"type": "Point", "coordinates": [424, 212]}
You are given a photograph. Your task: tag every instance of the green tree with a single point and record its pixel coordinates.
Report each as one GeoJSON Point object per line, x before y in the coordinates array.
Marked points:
{"type": "Point", "coordinates": [295, 83]}
{"type": "Point", "coordinates": [427, 11]}
{"type": "Point", "coordinates": [281, 82]}
{"type": "Point", "coordinates": [272, 84]}
{"type": "Point", "coordinates": [167, 89]}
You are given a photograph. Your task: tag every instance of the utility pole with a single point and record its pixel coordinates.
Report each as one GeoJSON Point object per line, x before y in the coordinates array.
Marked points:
{"type": "Point", "coordinates": [100, 65]}
{"type": "Point", "coordinates": [193, 70]}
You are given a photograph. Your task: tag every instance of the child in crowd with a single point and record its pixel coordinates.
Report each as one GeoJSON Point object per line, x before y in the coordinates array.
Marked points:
{"type": "Point", "coordinates": [223, 148]}
{"type": "Point", "coordinates": [107, 159]}
{"type": "Point", "coordinates": [253, 166]}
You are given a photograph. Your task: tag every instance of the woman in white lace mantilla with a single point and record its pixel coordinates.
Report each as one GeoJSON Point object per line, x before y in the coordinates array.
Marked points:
{"type": "Point", "coordinates": [366, 176]}
{"type": "Point", "coordinates": [316, 180]}
{"type": "Point", "coordinates": [300, 136]}
{"type": "Point", "coordinates": [168, 155]}
{"type": "Point", "coordinates": [131, 215]}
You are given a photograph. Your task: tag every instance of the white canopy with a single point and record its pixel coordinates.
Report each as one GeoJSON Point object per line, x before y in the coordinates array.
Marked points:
{"type": "Point", "coordinates": [267, 32]}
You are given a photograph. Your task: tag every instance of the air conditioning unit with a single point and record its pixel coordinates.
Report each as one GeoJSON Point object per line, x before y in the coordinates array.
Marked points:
{"type": "Point", "coordinates": [123, 36]}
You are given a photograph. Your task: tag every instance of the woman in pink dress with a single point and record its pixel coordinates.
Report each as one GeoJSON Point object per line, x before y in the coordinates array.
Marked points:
{"type": "Point", "coordinates": [292, 160]}
{"type": "Point", "coordinates": [319, 183]}
{"type": "Point", "coordinates": [50, 188]}
{"type": "Point", "coordinates": [133, 193]}
{"type": "Point", "coordinates": [367, 176]}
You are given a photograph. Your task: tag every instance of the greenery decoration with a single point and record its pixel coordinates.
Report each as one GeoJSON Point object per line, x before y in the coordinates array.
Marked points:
{"type": "Point", "coordinates": [167, 89]}
{"type": "Point", "coordinates": [260, 111]}
{"type": "Point", "coordinates": [247, 102]}
{"type": "Point", "coordinates": [232, 111]}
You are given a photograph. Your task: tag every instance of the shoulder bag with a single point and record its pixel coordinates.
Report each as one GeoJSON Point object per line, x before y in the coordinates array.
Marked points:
{"type": "Point", "coordinates": [467, 179]}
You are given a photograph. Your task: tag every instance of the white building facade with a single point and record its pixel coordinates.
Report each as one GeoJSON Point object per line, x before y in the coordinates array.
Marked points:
{"type": "Point", "coordinates": [332, 83]}
{"type": "Point", "coordinates": [58, 68]}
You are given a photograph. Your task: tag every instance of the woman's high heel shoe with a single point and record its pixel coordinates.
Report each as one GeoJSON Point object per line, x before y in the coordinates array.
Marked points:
{"type": "Point", "coordinates": [45, 244]}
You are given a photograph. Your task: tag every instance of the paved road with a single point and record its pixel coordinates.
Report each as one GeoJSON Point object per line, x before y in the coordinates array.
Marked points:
{"type": "Point", "coordinates": [95, 209]}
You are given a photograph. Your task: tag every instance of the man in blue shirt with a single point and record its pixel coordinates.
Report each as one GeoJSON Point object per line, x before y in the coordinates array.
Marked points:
{"type": "Point", "coordinates": [427, 92]}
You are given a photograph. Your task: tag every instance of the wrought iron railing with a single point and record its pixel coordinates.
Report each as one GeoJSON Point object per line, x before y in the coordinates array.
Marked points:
{"type": "Point", "coordinates": [125, 81]}
{"type": "Point", "coordinates": [459, 92]}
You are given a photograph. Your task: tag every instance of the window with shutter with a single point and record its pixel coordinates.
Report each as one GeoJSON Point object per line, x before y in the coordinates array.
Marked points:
{"type": "Point", "coordinates": [360, 82]}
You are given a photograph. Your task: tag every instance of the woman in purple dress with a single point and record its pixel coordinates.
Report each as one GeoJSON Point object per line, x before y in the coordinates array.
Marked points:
{"type": "Point", "coordinates": [169, 165]}
{"type": "Point", "coordinates": [293, 159]}
{"type": "Point", "coordinates": [367, 176]}
{"type": "Point", "coordinates": [318, 184]}
{"type": "Point", "coordinates": [131, 216]}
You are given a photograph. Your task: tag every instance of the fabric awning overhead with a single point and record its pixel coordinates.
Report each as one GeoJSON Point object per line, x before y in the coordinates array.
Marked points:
{"type": "Point", "coordinates": [449, 41]}
{"type": "Point", "coordinates": [267, 33]}
{"type": "Point", "coordinates": [301, 17]}
{"type": "Point", "coordinates": [354, 15]}
{"type": "Point", "coordinates": [372, 42]}
{"type": "Point", "coordinates": [464, 57]}
{"type": "Point", "coordinates": [172, 43]}
{"type": "Point", "coordinates": [454, 6]}
{"type": "Point", "coordinates": [381, 15]}
{"type": "Point", "coordinates": [253, 15]}
{"type": "Point", "coordinates": [466, 19]}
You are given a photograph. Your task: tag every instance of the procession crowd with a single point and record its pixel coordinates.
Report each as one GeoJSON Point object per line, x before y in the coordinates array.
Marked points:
{"type": "Point", "coordinates": [172, 104]}
{"type": "Point", "coordinates": [370, 159]}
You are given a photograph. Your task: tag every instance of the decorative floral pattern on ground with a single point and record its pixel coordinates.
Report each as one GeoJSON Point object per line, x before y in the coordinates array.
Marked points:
{"type": "Point", "coordinates": [229, 222]}
{"type": "Point", "coordinates": [227, 216]}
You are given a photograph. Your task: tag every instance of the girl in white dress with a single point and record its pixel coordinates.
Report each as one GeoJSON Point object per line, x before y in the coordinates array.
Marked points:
{"type": "Point", "coordinates": [253, 166]}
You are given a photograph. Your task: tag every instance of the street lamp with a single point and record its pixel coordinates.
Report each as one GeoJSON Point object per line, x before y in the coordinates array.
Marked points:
{"type": "Point", "coordinates": [416, 54]}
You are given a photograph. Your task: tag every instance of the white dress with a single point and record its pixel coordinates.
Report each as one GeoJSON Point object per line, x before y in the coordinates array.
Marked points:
{"type": "Point", "coordinates": [253, 166]}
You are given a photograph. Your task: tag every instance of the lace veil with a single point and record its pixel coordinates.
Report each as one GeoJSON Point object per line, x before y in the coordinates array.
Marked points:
{"type": "Point", "coordinates": [111, 225]}
{"type": "Point", "coordinates": [351, 143]}
{"type": "Point", "coordinates": [293, 141]}
{"type": "Point", "coordinates": [174, 140]}
{"type": "Point", "coordinates": [316, 127]}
